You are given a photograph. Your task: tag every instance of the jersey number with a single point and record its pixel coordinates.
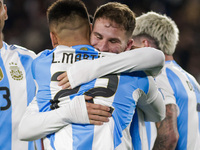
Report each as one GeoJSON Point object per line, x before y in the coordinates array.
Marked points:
{"type": "Point", "coordinates": [96, 91]}
{"type": "Point", "coordinates": [6, 97]}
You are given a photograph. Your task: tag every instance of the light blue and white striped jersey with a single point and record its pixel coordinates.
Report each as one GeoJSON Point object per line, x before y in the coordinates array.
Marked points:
{"type": "Point", "coordinates": [17, 90]}
{"type": "Point", "coordinates": [118, 91]}
{"type": "Point", "coordinates": [181, 88]}
{"type": "Point", "coordinates": [140, 132]}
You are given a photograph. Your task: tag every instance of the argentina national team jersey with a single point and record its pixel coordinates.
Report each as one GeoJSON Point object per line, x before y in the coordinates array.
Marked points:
{"type": "Point", "coordinates": [140, 132]}
{"type": "Point", "coordinates": [120, 92]}
{"type": "Point", "coordinates": [181, 88]}
{"type": "Point", "coordinates": [17, 90]}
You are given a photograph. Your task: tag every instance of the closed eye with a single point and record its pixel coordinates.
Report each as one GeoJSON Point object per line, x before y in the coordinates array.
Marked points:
{"type": "Point", "coordinates": [114, 41]}
{"type": "Point", "coordinates": [97, 35]}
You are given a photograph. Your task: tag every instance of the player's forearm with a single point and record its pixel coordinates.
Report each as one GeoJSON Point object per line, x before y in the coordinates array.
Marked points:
{"type": "Point", "coordinates": [167, 133]}
{"type": "Point", "coordinates": [146, 59]}
{"type": "Point", "coordinates": [35, 125]}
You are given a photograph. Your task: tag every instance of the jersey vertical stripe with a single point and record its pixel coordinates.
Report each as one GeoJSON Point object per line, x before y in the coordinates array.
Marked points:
{"type": "Point", "coordinates": [135, 134]}
{"type": "Point", "coordinates": [148, 131]}
{"type": "Point", "coordinates": [140, 132]}
{"type": "Point", "coordinates": [18, 90]}
{"type": "Point", "coordinates": [6, 116]}
{"type": "Point", "coordinates": [124, 119]}
{"type": "Point", "coordinates": [30, 83]}
{"type": "Point", "coordinates": [181, 95]}
{"type": "Point", "coordinates": [46, 89]}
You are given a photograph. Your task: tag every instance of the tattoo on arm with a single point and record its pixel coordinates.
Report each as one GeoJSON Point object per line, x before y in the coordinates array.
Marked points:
{"type": "Point", "coordinates": [167, 132]}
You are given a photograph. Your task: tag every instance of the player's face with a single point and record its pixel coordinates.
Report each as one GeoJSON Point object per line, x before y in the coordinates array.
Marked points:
{"type": "Point", "coordinates": [107, 36]}
{"type": "Point", "coordinates": [3, 14]}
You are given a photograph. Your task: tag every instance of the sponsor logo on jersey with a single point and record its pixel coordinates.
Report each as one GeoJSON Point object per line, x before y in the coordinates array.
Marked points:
{"type": "Point", "coordinates": [15, 71]}
{"type": "Point", "coordinates": [1, 74]}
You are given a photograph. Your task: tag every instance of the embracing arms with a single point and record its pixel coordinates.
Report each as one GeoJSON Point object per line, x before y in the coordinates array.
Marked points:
{"type": "Point", "coordinates": [145, 59]}
{"type": "Point", "coordinates": [35, 124]}
{"type": "Point", "coordinates": [41, 124]}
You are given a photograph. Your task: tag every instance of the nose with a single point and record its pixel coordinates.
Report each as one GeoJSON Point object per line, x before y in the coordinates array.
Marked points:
{"type": "Point", "coordinates": [103, 46]}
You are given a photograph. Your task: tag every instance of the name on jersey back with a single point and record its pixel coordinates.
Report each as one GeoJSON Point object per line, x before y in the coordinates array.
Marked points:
{"type": "Point", "coordinates": [73, 57]}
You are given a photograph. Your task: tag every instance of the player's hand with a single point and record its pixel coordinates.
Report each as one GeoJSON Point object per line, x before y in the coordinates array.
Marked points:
{"type": "Point", "coordinates": [98, 114]}
{"type": "Point", "coordinates": [64, 81]}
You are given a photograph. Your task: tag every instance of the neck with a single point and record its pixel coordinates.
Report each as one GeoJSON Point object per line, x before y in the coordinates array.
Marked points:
{"type": "Point", "coordinates": [73, 43]}
{"type": "Point", "coordinates": [1, 44]}
{"type": "Point", "coordinates": [169, 57]}
{"type": "Point", "coordinates": [73, 38]}
{"type": "Point", "coordinates": [1, 41]}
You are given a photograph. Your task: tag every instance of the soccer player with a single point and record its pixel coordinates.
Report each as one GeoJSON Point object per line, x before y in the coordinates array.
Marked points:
{"type": "Point", "coordinates": [105, 87]}
{"type": "Point", "coordinates": [109, 36]}
{"type": "Point", "coordinates": [17, 89]}
{"type": "Point", "coordinates": [181, 128]}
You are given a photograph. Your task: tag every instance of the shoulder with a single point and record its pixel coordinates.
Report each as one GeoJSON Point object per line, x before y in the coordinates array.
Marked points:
{"type": "Point", "coordinates": [170, 72]}
{"type": "Point", "coordinates": [41, 56]}
{"type": "Point", "coordinates": [22, 50]}
{"type": "Point", "coordinates": [142, 80]}
{"type": "Point", "coordinates": [44, 53]}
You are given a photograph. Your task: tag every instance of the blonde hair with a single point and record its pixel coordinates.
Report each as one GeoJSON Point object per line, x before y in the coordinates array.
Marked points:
{"type": "Point", "coordinates": [161, 28]}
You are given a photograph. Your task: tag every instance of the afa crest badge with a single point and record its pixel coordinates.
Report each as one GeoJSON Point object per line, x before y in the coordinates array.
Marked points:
{"type": "Point", "coordinates": [1, 74]}
{"type": "Point", "coordinates": [15, 71]}
{"type": "Point", "coordinates": [84, 48]}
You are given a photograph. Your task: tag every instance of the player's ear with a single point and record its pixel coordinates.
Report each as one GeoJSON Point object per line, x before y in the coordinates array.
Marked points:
{"type": "Point", "coordinates": [5, 12]}
{"type": "Point", "coordinates": [145, 42]}
{"type": "Point", "coordinates": [54, 40]}
{"type": "Point", "coordinates": [129, 44]}
{"type": "Point", "coordinates": [91, 27]}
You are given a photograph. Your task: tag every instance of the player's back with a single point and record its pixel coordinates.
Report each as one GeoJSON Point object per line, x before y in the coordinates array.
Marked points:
{"type": "Point", "coordinates": [186, 94]}
{"type": "Point", "coordinates": [50, 64]}
{"type": "Point", "coordinates": [15, 93]}
{"type": "Point", "coordinates": [118, 91]}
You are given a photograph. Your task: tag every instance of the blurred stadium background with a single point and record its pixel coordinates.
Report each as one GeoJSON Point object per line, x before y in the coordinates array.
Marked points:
{"type": "Point", "coordinates": [27, 26]}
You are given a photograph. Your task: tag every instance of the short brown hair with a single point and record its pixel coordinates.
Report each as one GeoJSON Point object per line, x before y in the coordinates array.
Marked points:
{"type": "Point", "coordinates": [119, 13]}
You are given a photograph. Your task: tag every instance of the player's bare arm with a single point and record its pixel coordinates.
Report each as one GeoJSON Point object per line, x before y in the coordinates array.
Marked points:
{"type": "Point", "coordinates": [167, 133]}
